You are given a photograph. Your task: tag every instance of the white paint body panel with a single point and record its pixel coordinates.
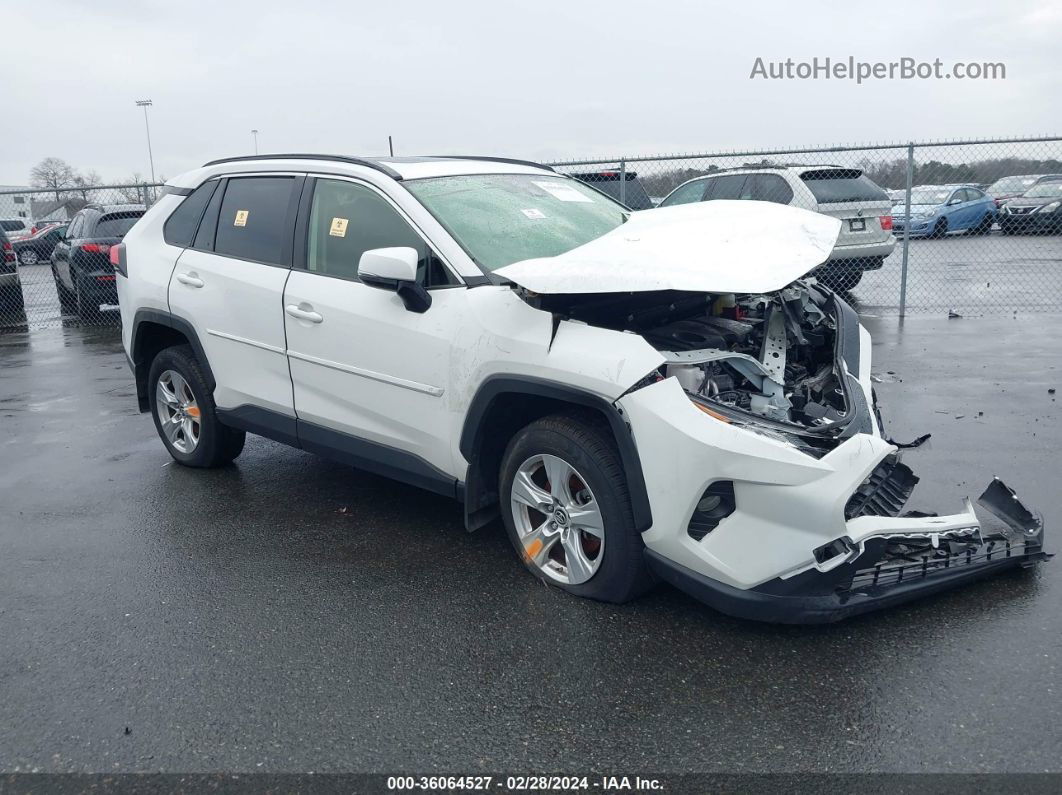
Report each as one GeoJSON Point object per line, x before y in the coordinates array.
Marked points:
{"type": "Point", "coordinates": [719, 246]}
{"type": "Point", "coordinates": [238, 317]}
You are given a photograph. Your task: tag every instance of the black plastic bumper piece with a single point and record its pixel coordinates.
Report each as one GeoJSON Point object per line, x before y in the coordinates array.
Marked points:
{"type": "Point", "coordinates": [824, 608]}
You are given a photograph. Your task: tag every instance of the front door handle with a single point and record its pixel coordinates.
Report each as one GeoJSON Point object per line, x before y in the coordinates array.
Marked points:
{"type": "Point", "coordinates": [303, 314]}
{"type": "Point", "coordinates": [190, 279]}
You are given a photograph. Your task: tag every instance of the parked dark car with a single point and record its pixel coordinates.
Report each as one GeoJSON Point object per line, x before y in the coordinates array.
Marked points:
{"type": "Point", "coordinates": [1002, 190]}
{"type": "Point", "coordinates": [11, 300]}
{"type": "Point", "coordinates": [38, 246]}
{"type": "Point", "coordinates": [81, 265]}
{"type": "Point", "coordinates": [1039, 209]}
{"type": "Point", "coordinates": [630, 191]}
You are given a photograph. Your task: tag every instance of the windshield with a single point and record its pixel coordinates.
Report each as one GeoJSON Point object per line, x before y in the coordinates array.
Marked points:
{"type": "Point", "coordinates": [1011, 185]}
{"type": "Point", "coordinates": [1045, 190]}
{"type": "Point", "coordinates": [930, 196]}
{"type": "Point", "coordinates": [499, 219]}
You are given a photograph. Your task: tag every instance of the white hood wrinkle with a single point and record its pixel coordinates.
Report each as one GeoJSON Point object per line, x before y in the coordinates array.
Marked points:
{"type": "Point", "coordinates": [715, 246]}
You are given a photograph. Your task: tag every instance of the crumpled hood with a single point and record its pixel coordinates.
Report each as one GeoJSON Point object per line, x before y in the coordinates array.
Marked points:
{"type": "Point", "coordinates": [715, 246]}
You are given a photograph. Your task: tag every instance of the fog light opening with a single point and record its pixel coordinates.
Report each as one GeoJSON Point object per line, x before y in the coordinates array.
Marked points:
{"type": "Point", "coordinates": [715, 504]}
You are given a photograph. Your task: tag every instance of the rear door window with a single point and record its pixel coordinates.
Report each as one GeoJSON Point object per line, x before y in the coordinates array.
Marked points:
{"type": "Point", "coordinates": [253, 222]}
{"type": "Point", "coordinates": [685, 194]}
{"type": "Point", "coordinates": [725, 187]}
{"type": "Point", "coordinates": [181, 225]}
{"type": "Point", "coordinates": [835, 185]}
{"type": "Point", "coordinates": [768, 188]}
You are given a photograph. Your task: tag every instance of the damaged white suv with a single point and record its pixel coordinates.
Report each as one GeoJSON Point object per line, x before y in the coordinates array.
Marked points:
{"type": "Point", "coordinates": [639, 396]}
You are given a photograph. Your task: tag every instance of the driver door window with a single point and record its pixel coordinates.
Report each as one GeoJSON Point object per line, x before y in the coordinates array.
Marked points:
{"type": "Point", "coordinates": [348, 219]}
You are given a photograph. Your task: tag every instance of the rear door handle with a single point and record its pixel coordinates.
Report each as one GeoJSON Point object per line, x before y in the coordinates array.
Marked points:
{"type": "Point", "coordinates": [303, 314]}
{"type": "Point", "coordinates": [190, 279]}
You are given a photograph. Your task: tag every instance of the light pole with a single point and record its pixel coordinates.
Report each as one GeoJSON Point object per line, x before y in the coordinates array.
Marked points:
{"type": "Point", "coordinates": [255, 134]}
{"type": "Point", "coordinates": [145, 104]}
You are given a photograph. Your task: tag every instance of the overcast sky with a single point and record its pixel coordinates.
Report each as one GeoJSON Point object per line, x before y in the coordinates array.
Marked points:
{"type": "Point", "coordinates": [539, 79]}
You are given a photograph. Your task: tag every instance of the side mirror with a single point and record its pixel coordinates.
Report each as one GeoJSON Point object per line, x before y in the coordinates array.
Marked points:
{"type": "Point", "coordinates": [956, 200]}
{"type": "Point", "coordinates": [395, 269]}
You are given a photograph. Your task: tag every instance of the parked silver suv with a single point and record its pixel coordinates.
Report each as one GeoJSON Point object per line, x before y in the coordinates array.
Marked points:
{"type": "Point", "coordinates": [864, 209]}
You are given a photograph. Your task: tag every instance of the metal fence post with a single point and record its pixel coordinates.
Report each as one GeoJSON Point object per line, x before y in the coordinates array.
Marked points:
{"type": "Point", "coordinates": [906, 228]}
{"type": "Point", "coordinates": [623, 181]}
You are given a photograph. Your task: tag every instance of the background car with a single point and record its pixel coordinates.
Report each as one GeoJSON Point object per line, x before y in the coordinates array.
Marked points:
{"type": "Point", "coordinates": [14, 227]}
{"type": "Point", "coordinates": [609, 182]}
{"type": "Point", "coordinates": [1039, 209]}
{"type": "Point", "coordinates": [81, 266]}
{"type": "Point", "coordinates": [11, 300]}
{"type": "Point", "coordinates": [866, 237]}
{"type": "Point", "coordinates": [1011, 187]}
{"type": "Point", "coordinates": [38, 246]}
{"type": "Point", "coordinates": [939, 209]}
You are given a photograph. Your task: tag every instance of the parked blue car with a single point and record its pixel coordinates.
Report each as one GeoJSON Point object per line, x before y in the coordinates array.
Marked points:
{"type": "Point", "coordinates": [939, 209]}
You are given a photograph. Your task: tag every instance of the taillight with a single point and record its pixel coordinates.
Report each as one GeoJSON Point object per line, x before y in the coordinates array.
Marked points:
{"type": "Point", "coordinates": [118, 258]}
{"type": "Point", "coordinates": [886, 222]}
{"type": "Point", "coordinates": [95, 248]}
{"type": "Point", "coordinates": [108, 278]}
{"type": "Point", "coordinates": [9, 252]}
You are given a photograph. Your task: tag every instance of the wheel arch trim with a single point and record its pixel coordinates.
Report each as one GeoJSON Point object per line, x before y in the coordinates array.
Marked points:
{"type": "Point", "coordinates": [475, 431]}
{"type": "Point", "coordinates": [137, 345]}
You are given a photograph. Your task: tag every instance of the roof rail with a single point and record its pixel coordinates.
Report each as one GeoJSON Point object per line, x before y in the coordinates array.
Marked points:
{"type": "Point", "coordinates": [509, 160]}
{"type": "Point", "coordinates": [357, 161]}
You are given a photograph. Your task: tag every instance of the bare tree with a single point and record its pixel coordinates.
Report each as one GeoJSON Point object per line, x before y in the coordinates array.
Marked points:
{"type": "Point", "coordinates": [53, 173]}
{"type": "Point", "coordinates": [85, 182]}
{"type": "Point", "coordinates": [137, 194]}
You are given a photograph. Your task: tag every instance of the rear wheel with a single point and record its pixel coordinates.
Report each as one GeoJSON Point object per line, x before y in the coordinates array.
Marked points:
{"type": "Point", "coordinates": [12, 302]}
{"type": "Point", "coordinates": [184, 412]}
{"type": "Point", "coordinates": [28, 257]}
{"type": "Point", "coordinates": [82, 303]}
{"type": "Point", "coordinates": [566, 507]}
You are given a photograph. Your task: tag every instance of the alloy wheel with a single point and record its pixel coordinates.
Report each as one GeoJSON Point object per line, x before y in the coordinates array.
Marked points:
{"type": "Point", "coordinates": [28, 257]}
{"type": "Point", "coordinates": [557, 519]}
{"type": "Point", "coordinates": [178, 411]}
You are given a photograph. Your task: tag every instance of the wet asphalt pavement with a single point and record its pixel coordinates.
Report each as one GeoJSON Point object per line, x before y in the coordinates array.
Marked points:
{"type": "Point", "coordinates": [290, 614]}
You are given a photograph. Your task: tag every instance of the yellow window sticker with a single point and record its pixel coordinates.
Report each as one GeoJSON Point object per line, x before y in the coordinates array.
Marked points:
{"type": "Point", "coordinates": [339, 227]}
{"type": "Point", "coordinates": [241, 218]}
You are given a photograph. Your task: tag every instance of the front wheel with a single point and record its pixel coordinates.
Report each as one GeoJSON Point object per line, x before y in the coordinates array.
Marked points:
{"type": "Point", "coordinates": [940, 229]}
{"type": "Point", "coordinates": [28, 257]}
{"type": "Point", "coordinates": [567, 510]}
{"type": "Point", "coordinates": [184, 412]}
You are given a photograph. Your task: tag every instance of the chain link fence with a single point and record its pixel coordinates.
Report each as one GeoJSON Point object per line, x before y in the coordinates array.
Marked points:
{"type": "Point", "coordinates": [55, 268]}
{"type": "Point", "coordinates": [973, 227]}
{"type": "Point", "coordinates": [965, 226]}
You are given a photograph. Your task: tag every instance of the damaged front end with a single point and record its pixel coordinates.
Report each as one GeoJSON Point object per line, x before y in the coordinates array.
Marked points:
{"type": "Point", "coordinates": [775, 494]}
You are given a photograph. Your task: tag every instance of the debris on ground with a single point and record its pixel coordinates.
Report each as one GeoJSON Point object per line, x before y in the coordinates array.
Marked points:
{"type": "Point", "coordinates": [959, 416]}
{"type": "Point", "coordinates": [953, 314]}
{"type": "Point", "coordinates": [1051, 391]}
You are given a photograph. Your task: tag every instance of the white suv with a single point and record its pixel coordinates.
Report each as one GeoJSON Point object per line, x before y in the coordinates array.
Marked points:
{"type": "Point", "coordinates": [637, 395]}
{"type": "Point", "coordinates": [864, 209]}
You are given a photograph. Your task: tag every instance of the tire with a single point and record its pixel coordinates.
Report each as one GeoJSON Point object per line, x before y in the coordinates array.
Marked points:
{"type": "Point", "coordinates": [940, 228]}
{"type": "Point", "coordinates": [985, 227]}
{"type": "Point", "coordinates": [28, 257]}
{"type": "Point", "coordinates": [583, 443]}
{"type": "Point", "coordinates": [216, 444]}
{"type": "Point", "coordinates": [84, 310]}
{"type": "Point", "coordinates": [12, 302]}
{"type": "Point", "coordinates": [67, 300]}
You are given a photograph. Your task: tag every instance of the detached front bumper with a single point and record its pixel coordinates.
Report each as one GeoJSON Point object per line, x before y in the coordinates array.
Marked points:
{"type": "Point", "coordinates": [806, 539]}
{"type": "Point", "coordinates": [888, 571]}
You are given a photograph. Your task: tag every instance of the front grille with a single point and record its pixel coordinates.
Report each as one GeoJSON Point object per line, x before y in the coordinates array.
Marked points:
{"type": "Point", "coordinates": [909, 559]}
{"type": "Point", "coordinates": [884, 492]}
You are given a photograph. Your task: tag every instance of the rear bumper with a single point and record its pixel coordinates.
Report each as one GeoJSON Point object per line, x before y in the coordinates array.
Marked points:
{"type": "Point", "coordinates": [862, 253]}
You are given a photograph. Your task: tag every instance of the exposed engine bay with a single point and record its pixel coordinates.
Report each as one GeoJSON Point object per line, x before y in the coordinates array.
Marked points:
{"type": "Point", "coordinates": [776, 356]}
